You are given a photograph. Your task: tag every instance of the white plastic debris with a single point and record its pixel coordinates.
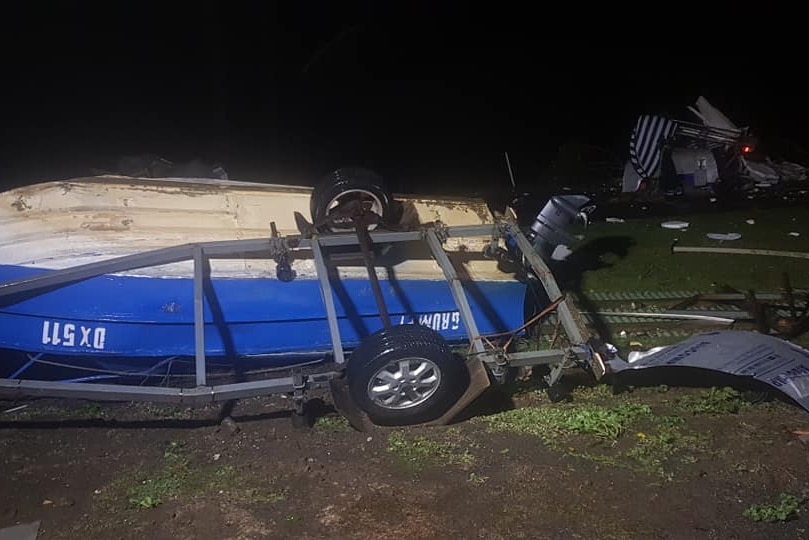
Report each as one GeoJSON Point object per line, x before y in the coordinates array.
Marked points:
{"type": "Point", "coordinates": [561, 253]}
{"type": "Point", "coordinates": [634, 356]}
{"type": "Point", "coordinates": [751, 221]}
{"type": "Point", "coordinates": [712, 199]}
{"type": "Point", "coordinates": [793, 233]}
{"type": "Point", "coordinates": [614, 220]}
{"type": "Point", "coordinates": [678, 225]}
{"type": "Point", "coordinates": [724, 236]}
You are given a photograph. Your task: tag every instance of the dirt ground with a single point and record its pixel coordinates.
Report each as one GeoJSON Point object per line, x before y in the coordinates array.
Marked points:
{"type": "Point", "coordinates": [650, 462]}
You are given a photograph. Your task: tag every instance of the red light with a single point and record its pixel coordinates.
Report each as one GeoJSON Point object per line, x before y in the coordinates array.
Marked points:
{"type": "Point", "coordinates": [746, 149]}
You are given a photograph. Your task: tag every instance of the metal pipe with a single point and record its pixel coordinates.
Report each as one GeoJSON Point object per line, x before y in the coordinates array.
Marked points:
{"type": "Point", "coordinates": [365, 249]}
{"type": "Point", "coordinates": [328, 301]}
{"type": "Point", "coordinates": [199, 316]}
{"type": "Point", "coordinates": [679, 316]}
{"type": "Point", "coordinates": [740, 251]}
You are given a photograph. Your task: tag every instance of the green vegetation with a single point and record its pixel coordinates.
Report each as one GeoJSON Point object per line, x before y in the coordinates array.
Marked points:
{"type": "Point", "coordinates": [153, 490]}
{"type": "Point", "coordinates": [176, 476]}
{"type": "Point", "coordinates": [627, 434]}
{"type": "Point", "coordinates": [476, 479]}
{"type": "Point", "coordinates": [550, 423]}
{"type": "Point", "coordinates": [332, 424]}
{"type": "Point", "coordinates": [785, 509]}
{"type": "Point", "coordinates": [714, 401]}
{"type": "Point", "coordinates": [418, 451]}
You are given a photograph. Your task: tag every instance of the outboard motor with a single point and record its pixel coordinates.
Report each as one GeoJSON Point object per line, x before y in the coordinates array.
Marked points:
{"type": "Point", "coordinates": [550, 226]}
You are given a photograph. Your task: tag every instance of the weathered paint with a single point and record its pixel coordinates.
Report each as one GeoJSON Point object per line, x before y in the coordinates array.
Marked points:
{"type": "Point", "coordinates": [65, 223]}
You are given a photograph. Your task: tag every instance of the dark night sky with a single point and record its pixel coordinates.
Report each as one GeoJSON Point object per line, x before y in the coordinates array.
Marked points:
{"type": "Point", "coordinates": [286, 92]}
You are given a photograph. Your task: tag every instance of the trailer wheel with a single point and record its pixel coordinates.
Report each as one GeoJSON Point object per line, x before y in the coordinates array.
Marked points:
{"type": "Point", "coordinates": [405, 374]}
{"type": "Point", "coordinates": [350, 185]}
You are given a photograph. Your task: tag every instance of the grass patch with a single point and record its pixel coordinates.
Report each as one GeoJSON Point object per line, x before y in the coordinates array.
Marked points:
{"type": "Point", "coordinates": [164, 483]}
{"type": "Point", "coordinates": [552, 423]}
{"type": "Point", "coordinates": [647, 263]}
{"type": "Point", "coordinates": [418, 451]}
{"type": "Point", "coordinates": [785, 509]}
{"type": "Point", "coordinates": [717, 401]}
{"type": "Point", "coordinates": [651, 452]}
{"type": "Point", "coordinates": [598, 392]}
{"type": "Point", "coordinates": [92, 410]}
{"type": "Point", "coordinates": [628, 434]}
{"type": "Point", "coordinates": [176, 476]}
{"type": "Point", "coordinates": [170, 412]}
{"type": "Point", "coordinates": [333, 424]}
{"type": "Point", "coordinates": [66, 411]}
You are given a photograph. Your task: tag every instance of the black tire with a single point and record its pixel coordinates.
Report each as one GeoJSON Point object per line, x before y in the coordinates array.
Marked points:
{"type": "Point", "coordinates": [442, 381]}
{"type": "Point", "coordinates": [351, 182]}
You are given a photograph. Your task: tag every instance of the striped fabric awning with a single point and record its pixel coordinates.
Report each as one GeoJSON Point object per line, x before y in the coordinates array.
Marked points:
{"type": "Point", "coordinates": [645, 145]}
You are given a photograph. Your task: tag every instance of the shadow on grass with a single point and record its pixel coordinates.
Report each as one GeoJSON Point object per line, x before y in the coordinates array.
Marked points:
{"type": "Point", "coordinates": [589, 257]}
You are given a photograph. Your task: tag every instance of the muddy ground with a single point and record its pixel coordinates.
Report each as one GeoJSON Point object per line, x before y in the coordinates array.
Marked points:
{"type": "Point", "coordinates": [649, 462]}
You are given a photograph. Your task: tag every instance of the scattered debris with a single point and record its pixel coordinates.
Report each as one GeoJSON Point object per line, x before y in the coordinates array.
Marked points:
{"type": "Point", "coordinates": [724, 236]}
{"type": "Point", "coordinates": [751, 221]}
{"type": "Point", "coordinates": [614, 220]}
{"type": "Point", "coordinates": [634, 356]}
{"type": "Point", "coordinates": [787, 170]}
{"type": "Point", "coordinates": [676, 157]}
{"type": "Point", "coordinates": [154, 166]}
{"type": "Point", "coordinates": [793, 233]}
{"type": "Point", "coordinates": [677, 225]}
{"type": "Point", "coordinates": [561, 252]}
{"type": "Point", "coordinates": [763, 174]}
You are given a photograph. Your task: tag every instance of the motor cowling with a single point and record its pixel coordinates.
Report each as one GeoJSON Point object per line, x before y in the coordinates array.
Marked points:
{"type": "Point", "coordinates": [551, 224]}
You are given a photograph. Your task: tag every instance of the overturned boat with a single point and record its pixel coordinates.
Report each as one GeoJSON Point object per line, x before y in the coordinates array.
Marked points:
{"type": "Point", "coordinates": [110, 278]}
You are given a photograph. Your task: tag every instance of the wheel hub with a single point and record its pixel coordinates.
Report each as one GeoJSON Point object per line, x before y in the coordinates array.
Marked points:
{"type": "Point", "coordinates": [405, 383]}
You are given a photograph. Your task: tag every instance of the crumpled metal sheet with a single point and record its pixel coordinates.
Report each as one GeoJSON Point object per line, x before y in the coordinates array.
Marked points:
{"type": "Point", "coordinates": [26, 531]}
{"type": "Point", "coordinates": [778, 363]}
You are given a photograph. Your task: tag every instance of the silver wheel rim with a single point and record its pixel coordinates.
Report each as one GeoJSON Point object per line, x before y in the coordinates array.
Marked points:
{"type": "Point", "coordinates": [376, 206]}
{"type": "Point", "coordinates": [404, 383]}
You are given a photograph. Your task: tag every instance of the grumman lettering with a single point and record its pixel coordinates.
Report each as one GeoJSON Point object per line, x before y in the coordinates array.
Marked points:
{"type": "Point", "coordinates": [447, 320]}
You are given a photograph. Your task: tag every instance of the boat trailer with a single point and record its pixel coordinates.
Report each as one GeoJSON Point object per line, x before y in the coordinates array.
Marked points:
{"type": "Point", "coordinates": [484, 360]}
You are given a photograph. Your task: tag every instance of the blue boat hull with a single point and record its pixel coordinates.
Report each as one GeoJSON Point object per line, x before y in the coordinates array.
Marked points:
{"type": "Point", "coordinates": [134, 320]}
